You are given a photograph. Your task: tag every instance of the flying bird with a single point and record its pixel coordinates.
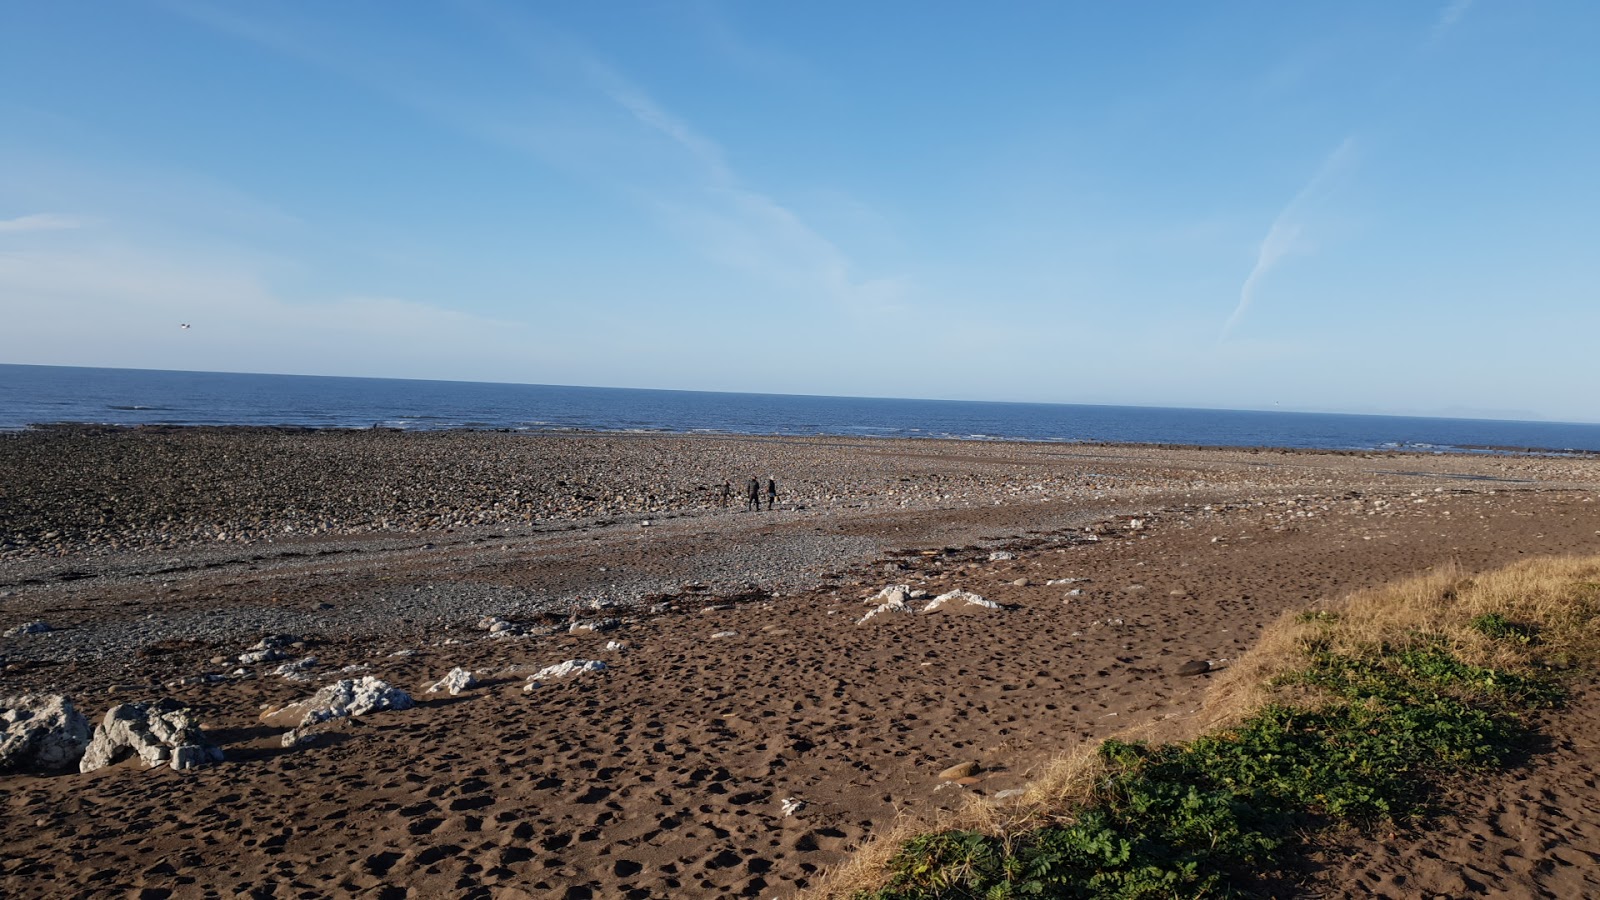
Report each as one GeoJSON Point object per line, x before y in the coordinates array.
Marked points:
{"type": "Point", "coordinates": [184, 325]}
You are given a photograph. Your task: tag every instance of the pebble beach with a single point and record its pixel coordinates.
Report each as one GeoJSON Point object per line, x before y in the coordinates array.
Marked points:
{"type": "Point", "coordinates": [747, 726]}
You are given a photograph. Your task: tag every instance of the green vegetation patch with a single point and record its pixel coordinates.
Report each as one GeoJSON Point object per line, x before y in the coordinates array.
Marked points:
{"type": "Point", "coordinates": [1203, 818]}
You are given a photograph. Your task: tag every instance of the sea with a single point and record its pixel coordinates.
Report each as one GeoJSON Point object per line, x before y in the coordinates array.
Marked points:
{"type": "Point", "coordinates": [41, 395]}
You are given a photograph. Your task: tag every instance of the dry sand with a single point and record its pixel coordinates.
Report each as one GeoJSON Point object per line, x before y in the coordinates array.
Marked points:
{"type": "Point", "coordinates": [745, 680]}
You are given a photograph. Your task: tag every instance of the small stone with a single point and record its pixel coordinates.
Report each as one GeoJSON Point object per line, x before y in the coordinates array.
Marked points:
{"type": "Point", "coordinates": [1195, 667]}
{"type": "Point", "coordinates": [960, 771]}
{"type": "Point", "coordinates": [1020, 582]}
{"type": "Point", "coordinates": [29, 628]}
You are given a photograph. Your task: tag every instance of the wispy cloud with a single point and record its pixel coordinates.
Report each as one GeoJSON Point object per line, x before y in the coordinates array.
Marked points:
{"type": "Point", "coordinates": [676, 169]}
{"type": "Point", "coordinates": [1283, 238]}
{"type": "Point", "coordinates": [1450, 15]}
{"type": "Point", "coordinates": [740, 226]}
{"type": "Point", "coordinates": [40, 222]}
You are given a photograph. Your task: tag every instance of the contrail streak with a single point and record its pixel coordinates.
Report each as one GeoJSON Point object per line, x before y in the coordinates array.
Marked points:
{"type": "Point", "coordinates": [1286, 228]}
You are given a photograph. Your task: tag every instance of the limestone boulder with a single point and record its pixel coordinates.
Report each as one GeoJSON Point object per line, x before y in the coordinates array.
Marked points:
{"type": "Point", "coordinates": [160, 731]}
{"type": "Point", "coordinates": [346, 697]}
{"type": "Point", "coordinates": [41, 733]}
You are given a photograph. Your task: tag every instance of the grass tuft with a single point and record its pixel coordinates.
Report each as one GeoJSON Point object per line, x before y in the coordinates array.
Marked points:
{"type": "Point", "coordinates": [1350, 715]}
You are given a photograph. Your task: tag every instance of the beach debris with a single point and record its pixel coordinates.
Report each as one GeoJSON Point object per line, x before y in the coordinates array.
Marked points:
{"type": "Point", "coordinates": [1075, 592]}
{"type": "Point", "coordinates": [1055, 581]}
{"type": "Point", "coordinates": [791, 805]}
{"type": "Point", "coordinates": [999, 555]}
{"type": "Point", "coordinates": [346, 697]}
{"type": "Point", "coordinates": [726, 633]}
{"type": "Point", "coordinates": [962, 770]}
{"type": "Point", "coordinates": [958, 601]}
{"type": "Point", "coordinates": [1008, 793]}
{"type": "Point", "coordinates": [562, 670]}
{"type": "Point", "coordinates": [41, 733]}
{"type": "Point", "coordinates": [29, 628]}
{"type": "Point", "coordinates": [156, 731]}
{"type": "Point", "coordinates": [456, 681]}
{"type": "Point", "coordinates": [1135, 525]}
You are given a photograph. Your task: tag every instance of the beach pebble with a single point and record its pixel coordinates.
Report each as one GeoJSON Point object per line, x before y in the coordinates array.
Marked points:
{"type": "Point", "coordinates": [960, 771]}
{"type": "Point", "coordinates": [594, 626]}
{"type": "Point", "coordinates": [1195, 667]}
{"type": "Point", "coordinates": [1000, 555]}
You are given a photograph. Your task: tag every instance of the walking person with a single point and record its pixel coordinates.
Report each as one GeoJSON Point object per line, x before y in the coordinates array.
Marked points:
{"type": "Point", "coordinates": [772, 493]}
{"type": "Point", "coordinates": [727, 493]}
{"type": "Point", "coordinates": [752, 494]}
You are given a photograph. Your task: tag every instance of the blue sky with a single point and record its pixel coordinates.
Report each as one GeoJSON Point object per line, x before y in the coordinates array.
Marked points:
{"type": "Point", "coordinates": [1359, 207]}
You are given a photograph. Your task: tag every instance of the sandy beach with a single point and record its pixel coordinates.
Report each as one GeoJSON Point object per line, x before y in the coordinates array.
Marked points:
{"type": "Point", "coordinates": [749, 730]}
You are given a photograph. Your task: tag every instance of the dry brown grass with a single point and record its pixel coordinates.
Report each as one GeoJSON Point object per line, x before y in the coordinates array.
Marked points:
{"type": "Point", "coordinates": [1557, 597]}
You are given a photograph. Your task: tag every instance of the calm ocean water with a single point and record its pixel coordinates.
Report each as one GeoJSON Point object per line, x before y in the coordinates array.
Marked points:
{"type": "Point", "coordinates": [49, 394]}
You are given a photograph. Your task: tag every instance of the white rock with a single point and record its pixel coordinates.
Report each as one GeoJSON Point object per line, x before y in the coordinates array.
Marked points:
{"type": "Point", "coordinates": [999, 555]}
{"type": "Point", "coordinates": [296, 670]}
{"type": "Point", "coordinates": [883, 609]}
{"type": "Point", "coordinates": [160, 731]}
{"type": "Point", "coordinates": [616, 646]}
{"type": "Point", "coordinates": [270, 654]}
{"type": "Point", "coordinates": [894, 593]}
{"type": "Point", "coordinates": [491, 623]}
{"type": "Point", "coordinates": [346, 697]}
{"type": "Point", "coordinates": [41, 733]}
{"type": "Point", "coordinates": [959, 600]}
{"type": "Point", "coordinates": [28, 628]}
{"type": "Point", "coordinates": [455, 682]}
{"type": "Point", "coordinates": [791, 805]}
{"type": "Point", "coordinates": [562, 670]}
